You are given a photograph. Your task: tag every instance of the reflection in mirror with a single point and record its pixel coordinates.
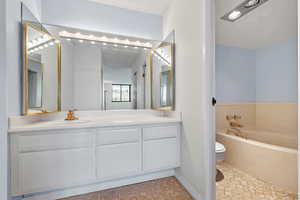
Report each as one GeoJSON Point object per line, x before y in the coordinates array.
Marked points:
{"type": "Point", "coordinates": [41, 71]}
{"type": "Point", "coordinates": [162, 72]}
{"type": "Point", "coordinates": [103, 71]}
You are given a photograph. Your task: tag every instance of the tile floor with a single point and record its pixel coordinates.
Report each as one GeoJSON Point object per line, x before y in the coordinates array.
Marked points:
{"type": "Point", "coordinates": [236, 185]}
{"type": "Point", "coordinates": [162, 189]}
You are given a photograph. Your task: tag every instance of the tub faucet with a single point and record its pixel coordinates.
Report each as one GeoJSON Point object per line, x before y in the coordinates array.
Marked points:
{"type": "Point", "coordinates": [235, 127]}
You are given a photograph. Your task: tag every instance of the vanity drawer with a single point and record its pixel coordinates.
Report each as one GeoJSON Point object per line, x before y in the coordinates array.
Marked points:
{"type": "Point", "coordinates": [151, 133]}
{"type": "Point", "coordinates": [54, 141]}
{"type": "Point", "coordinates": [106, 137]}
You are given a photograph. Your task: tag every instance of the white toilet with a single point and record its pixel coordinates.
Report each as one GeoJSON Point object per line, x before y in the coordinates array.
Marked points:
{"type": "Point", "coordinates": [220, 152]}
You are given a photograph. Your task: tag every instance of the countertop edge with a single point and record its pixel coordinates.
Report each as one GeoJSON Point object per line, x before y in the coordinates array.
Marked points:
{"type": "Point", "coordinates": [89, 126]}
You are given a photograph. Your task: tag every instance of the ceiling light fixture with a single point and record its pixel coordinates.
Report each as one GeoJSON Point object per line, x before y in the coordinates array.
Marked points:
{"type": "Point", "coordinates": [252, 3]}
{"type": "Point", "coordinates": [242, 9]}
{"type": "Point", "coordinates": [234, 15]}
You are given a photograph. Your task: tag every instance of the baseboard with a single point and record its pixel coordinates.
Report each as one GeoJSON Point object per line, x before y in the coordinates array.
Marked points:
{"type": "Point", "coordinates": [195, 194]}
{"type": "Point", "coordinates": [100, 186]}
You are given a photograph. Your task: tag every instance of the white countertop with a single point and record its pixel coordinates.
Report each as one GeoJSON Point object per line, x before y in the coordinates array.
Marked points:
{"type": "Point", "coordinates": [98, 120]}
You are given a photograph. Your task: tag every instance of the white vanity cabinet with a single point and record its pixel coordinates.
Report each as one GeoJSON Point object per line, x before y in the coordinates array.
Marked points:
{"type": "Point", "coordinates": [118, 153]}
{"type": "Point", "coordinates": [161, 147]}
{"type": "Point", "coordinates": [43, 161]}
{"type": "Point", "coordinates": [51, 160]}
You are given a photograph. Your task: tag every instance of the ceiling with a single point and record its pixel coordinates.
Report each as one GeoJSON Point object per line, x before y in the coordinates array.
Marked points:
{"type": "Point", "coordinates": [119, 57]}
{"type": "Point", "coordinates": [154, 6]}
{"type": "Point", "coordinates": [273, 22]}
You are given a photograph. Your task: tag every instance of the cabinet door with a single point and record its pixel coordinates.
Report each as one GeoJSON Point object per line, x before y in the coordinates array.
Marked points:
{"type": "Point", "coordinates": [43, 171]}
{"type": "Point", "coordinates": [118, 160]}
{"type": "Point", "coordinates": [160, 154]}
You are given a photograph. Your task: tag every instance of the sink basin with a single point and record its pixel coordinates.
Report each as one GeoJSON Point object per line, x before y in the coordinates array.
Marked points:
{"type": "Point", "coordinates": [122, 121]}
{"type": "Point", "coordinates": [65, 122]}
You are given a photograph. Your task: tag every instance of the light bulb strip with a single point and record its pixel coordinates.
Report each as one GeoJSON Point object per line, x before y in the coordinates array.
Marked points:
{"type": "Point", "coordinates": [115, 44]}
{"type": "Point", "coordinates": [41, 43]}
{"type": "Point", "coordinates": [79, 36]}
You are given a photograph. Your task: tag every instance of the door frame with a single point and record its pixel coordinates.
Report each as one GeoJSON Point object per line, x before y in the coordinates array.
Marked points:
{"type": "Point", "coordinates": [208, 76]}
{"type": "Point", "coordinates": [298, 14]}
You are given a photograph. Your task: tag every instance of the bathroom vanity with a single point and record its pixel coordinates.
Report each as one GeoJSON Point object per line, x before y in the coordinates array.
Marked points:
{"type": "Point", "coordinates": [54, 154]}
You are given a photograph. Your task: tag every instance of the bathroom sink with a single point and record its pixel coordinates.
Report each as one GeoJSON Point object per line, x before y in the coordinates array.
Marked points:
{"type": "Point", "coordinates": [65, 122]}
{"type": "Point", "coordinates": [122, 121]}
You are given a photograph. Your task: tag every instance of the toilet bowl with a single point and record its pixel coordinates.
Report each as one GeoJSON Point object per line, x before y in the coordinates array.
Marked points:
{"type": "Point", "coordinates": [220, 152]}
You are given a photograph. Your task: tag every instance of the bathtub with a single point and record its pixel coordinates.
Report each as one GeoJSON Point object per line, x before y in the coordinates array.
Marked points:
{"type": "Point", "coordinates": [268, 156]}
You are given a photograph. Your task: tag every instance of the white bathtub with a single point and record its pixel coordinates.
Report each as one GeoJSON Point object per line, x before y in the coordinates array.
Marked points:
{"type": "Point", "coordinates": [267, 156]}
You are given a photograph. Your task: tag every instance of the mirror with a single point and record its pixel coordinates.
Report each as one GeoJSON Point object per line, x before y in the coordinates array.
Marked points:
{"type": "Point", "coordinates": [103, 71]}
{"type": "Point", "coordinates": [42, 71]}
{"type": "Point", "coordinates": [162, 73]}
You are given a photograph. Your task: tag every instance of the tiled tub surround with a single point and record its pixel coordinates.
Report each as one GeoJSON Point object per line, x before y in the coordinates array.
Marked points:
{"type": "Point", "coordinates": [278, 118]}
{"type": "Point", "coordinates": [53, 159]}
{"type": "Point", "coordinates": [271, 147]}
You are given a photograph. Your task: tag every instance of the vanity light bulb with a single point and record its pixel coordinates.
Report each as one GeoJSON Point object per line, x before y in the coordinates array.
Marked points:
{"type": "Point", "coordinates": [63, 33]}
{"type": "Point", "coordinates": [104, 44]}
{"type": "Point", "coordinates": [81, 41]}
{"type": "Point", "coordinates": [104, 38]}
{"type": "Point", "coordinates": [127, 41]}
{"type": "Point", "coordinates": [234, 15]}
{"type": "Point", "coordinates": [46, 37]}
{"type": "Point", "coordinates": [68, 39]}
{"type": "Point", "coordinates": [34, 41]}
{"type": "Point", "coordinates": [41, 47]}
{"type": "Point", "coordinates": [46, 45]}
{"type": "Point", "coordinates": [92, 42]}
{"type": "Point", "coordinates": [51, 43]}
{"type": "Point", "coordinates": [135, 47]}
{"type": "Point", "coordinates": [115, 45]}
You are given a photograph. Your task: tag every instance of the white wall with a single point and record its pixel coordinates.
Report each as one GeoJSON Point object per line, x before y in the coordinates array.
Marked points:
{"type": "Point", "coordinates": [93, 16]}
{"type": "Point", "coordinates": [50, 78]}
{"type": "Point", "coordinates": [87, 77]}
{"type": "Point", "coordinates": [14, 68]}
{"type": "Point", "coordinates": [67, 85]}
{"type": "Point", "coordinates": [35, 6]}
{"type": "Point", "coordinates": [140, 87]}
{"type": "Point", "coordinates": [193, 90]}
{"type": "Point", "coordinates": [3, 104]}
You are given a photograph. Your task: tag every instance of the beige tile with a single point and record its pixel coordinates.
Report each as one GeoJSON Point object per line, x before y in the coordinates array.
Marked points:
{"type": "Point", "coordinates": [246, 110]}
{"type": "Point", "coordinates": [277, 117]}
{"type": "Point", "coordinates": [238, 185]}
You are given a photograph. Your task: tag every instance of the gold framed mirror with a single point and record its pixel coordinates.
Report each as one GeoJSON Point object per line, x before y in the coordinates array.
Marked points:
{"type": "Point", "coordinates": [163, 77]}
{"type": "Point", "coordinates": [41, 71]}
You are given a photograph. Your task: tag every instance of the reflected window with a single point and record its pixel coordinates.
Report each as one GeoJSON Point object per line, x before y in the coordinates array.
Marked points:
{"type": "Point", "coordinates": [121, 93]}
